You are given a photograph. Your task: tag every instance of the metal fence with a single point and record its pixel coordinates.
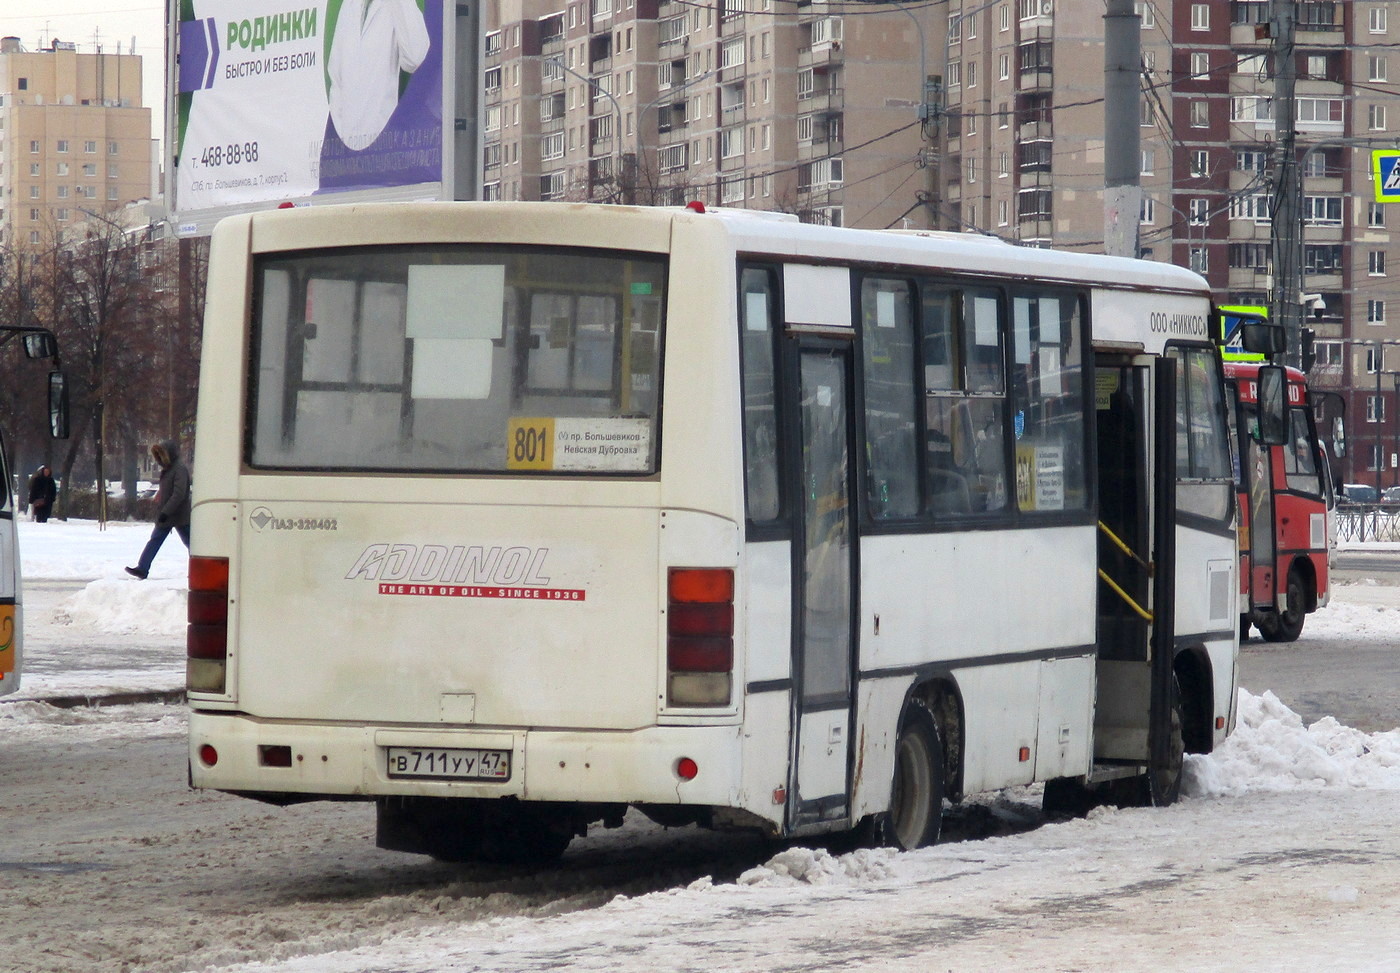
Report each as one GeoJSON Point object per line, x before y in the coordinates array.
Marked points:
{"type": "Point", "coordinates": [1368, 521]}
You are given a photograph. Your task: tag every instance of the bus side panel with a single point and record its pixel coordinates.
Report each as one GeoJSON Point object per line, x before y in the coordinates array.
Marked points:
{"type": "Point", "coordinates": [1000, 704]}
{"type": "Point", "coordinates": [946, 597]}
{"type": "Point", "coordinates": [424, 613]}
{"type": "Point", "coordinates": [948, 600]}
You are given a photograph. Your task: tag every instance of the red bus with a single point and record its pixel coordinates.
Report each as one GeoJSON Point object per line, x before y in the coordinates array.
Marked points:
{"type": "Point", "coordinates": [1285, 504]}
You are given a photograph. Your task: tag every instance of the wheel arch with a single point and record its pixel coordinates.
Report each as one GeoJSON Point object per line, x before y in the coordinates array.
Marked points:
{"type": "Point", "coordinates": [1308, 572]}
{"type": "Point", "coordinates": [1195, 679]}
{"type": "Point", "coordinates": [939, 694]}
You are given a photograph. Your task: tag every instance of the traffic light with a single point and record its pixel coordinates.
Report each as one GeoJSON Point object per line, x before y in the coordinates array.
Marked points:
{"type": "Point", "coordinates": [1308, 339]}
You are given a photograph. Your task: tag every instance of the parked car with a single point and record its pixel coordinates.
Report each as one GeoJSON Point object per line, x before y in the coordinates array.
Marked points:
{"type": "Point", "coordinates": [1391, 495]}
{"type": "Point", "coordinates": [1360, 493]}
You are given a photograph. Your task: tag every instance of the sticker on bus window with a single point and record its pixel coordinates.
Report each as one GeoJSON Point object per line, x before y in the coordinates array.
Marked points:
{"type": "Point", "coordinates": [578, 444]}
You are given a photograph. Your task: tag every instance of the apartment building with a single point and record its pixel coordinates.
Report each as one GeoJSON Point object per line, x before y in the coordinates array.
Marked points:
{"type": "Point", "coordinates": [803, 108]}
{"type": "Point", "coordinates": [74, 138]}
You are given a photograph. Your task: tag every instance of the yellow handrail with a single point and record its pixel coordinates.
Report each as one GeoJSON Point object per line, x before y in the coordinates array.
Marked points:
{"type": "Point", "coordinates": [1143, 612]}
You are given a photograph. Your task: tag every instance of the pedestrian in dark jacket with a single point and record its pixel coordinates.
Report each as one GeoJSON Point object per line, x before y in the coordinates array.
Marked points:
{"type": "Point", "coordinates": [172, 505]}
{"type": "Point", "coordinates": [42, 493]}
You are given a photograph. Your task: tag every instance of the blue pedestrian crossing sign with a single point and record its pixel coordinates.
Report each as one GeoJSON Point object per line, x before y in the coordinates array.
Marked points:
{"type": "Point", "coordinates": [1386, 172]}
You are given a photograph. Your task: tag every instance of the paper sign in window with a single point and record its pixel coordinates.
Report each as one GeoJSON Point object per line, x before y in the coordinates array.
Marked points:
{"type": "Point", "coordinates": [454, 314]}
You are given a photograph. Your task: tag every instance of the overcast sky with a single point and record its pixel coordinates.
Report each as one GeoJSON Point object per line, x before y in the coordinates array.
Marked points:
{"type": "Point", "coordinates": [110, 23]}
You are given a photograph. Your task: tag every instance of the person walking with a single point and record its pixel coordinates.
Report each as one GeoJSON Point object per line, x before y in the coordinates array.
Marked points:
{"type": "Point", "coordinates": [42, 494]}
{"type": "Point", "coordinates": [172, 505]}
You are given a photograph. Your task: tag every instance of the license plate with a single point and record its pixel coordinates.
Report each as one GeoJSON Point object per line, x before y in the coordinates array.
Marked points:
{"type": "Point", "coordinates": [440, 763]}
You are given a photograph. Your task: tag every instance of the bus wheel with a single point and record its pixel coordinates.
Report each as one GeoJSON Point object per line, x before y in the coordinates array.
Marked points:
{"type": "Point", "coordinates": [1287, 625]}
{"type": "Point", "coordinates": [916, 799]}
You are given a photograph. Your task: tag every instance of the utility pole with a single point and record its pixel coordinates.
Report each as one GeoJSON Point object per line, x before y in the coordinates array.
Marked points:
{"type": "Point", "coordinates": [1122, 197]}
{"type": "Point", "coordinates": [1286, 229]}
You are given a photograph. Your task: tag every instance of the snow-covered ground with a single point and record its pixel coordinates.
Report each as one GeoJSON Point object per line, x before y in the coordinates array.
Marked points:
{"type": "Point", "coordinates": [1282, 856]}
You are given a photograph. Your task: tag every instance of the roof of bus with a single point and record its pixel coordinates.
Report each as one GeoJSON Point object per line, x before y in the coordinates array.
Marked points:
{"type": "Point", "coordinates": [969, 252]}
{"type": "Point", "coordinates": [782, 236]}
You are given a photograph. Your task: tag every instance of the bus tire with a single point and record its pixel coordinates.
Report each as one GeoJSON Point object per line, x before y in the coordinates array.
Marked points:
{"type": "Point", "coordinates": [1287, 625]}
{"type": "Point", "coordinates": [915, 817]}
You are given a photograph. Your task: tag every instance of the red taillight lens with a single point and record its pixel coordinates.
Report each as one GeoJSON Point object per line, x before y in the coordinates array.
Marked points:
{"type": "Point", "coordinates": [700, 636]}
{"type": "Point", "coordinates": [700, 654]}
{"type": "Point", "coordinates": [206, 639]}
{"type": "Point", "coordinates": [700, 585]}
{"type": "Point", "coordinates": [700, 619]}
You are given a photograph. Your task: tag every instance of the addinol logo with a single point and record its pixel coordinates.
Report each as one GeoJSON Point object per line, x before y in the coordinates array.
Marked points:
{"type": "Point", "coordinates": [459, 571]}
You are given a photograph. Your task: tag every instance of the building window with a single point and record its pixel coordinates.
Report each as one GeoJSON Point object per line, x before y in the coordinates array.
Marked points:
{"type": "Point", "coordinates": [1323, 258]}
{"type": "Point", "coordinates": [90, 146]}
{"type": "Point", "coordinates": [1375, 215]}
{"type": "Point", "coordinates": [62, 145]}
{"type": "Point", "coordinates": [1200, 66]}
{"type": "Point", "coordinates": [1199, 211]}
{"type": "Point", "coordinates": [1375, 68]}
{"type": "Point", "coordinates": [1322, 210]}
{"type": "Point", "coordinates": [111, 148]}
{"type": "Point", "coordinates": [1375, 263]}
{"type": "Point", "coordinates": [1378, 20]}
{"type": "Point", "coordinates": [1375, 116]}
{"type": "Point", "coordinates": [1004, 66]}
{"type": "Point", "coordinates": [1375, 312]}
{"type": "Point", "coordinates": [1199, 260]}
{"type": "Point", "coordinates": [1200, 163]}
{"type": "Point", "coordinates": [1147, 215]}
{"type": "Point", "coordinates": [34, 147]}
{"type": "Point", "coordinates": [1200, 16]}
{"type": "Point", "coordinates": [1003, 212]}
{"type": "Point", "coordinates": [33, 192]}
{"type": "Point", "coordinates": [61, 168]}
{"type": "Point", "coordinates": [1147, 14]}
{"type": "Point", "coordinates": [1200, 114]}
{"type": "Point", "coordinates": [1374, 359]}
{"type": "Point", "coordinates": [1375, 408]}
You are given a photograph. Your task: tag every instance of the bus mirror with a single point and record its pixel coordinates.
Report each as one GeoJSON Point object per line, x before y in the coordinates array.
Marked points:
{"type": "Point", "coordinates": [58, 405]}
{"type": "Point", "coordinates": [1262, 338]}
{"type": "Point", "coordinates": [1339, 438]}
{"type": "Point", "coordinates": [1273, 389]}
{"type": "Point", "coordinates": [39, 344]}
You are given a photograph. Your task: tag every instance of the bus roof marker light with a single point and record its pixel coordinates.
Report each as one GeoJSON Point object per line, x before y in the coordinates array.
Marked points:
{"type": "Point", "coordinates": [695, 206]}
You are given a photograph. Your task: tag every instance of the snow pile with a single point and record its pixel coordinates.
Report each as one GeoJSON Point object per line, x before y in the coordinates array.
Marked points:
{"type": "Point", "coordinates": [154, 607]}
{"type": "Point", "coordinates": [1271, 750]}
{"type": "Point", "coordinates": [816, 866]}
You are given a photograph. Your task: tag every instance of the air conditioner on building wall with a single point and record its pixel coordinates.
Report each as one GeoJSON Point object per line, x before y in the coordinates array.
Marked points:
{"type": "Point", "coordinates": [1047, 7]}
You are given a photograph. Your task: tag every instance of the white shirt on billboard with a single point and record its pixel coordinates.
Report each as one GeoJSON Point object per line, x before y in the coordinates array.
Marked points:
{"type": "Point", "coordinates": [374, 40]}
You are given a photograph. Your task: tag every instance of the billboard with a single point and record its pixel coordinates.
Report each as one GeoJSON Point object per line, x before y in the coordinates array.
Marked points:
{"type": "Point", "coordinates": [291, 100]}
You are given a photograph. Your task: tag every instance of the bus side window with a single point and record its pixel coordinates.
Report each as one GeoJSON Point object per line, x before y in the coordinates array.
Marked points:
{"type": "Point", "coordinates": [891, 422]}
{"type": "Point", "coordinates": [1299, 456]}
{"type": "Point", "coordinates": [756, 309]}
{"type": "Point", "coordinates": [1205, 478]}
{"type": "Point", "coordinates": [965, 409]}
{"type": "Point", "coordinates": [1048, 401]}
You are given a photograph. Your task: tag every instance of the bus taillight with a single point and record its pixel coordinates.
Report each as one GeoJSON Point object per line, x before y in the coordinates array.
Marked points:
{"type": "Point", "coordinates": [699, 636]}
{"type": "Point", "coordinates": [206, 645]}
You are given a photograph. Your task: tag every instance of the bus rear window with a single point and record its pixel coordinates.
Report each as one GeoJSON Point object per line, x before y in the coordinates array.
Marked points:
{"type": "Point", "coordinates": [457, 359]}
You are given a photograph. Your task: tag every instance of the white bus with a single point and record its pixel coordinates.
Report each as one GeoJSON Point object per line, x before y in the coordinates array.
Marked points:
{"type": "Point", "coordinates": [37, 342]}
{"type": "Point", "coordinates": [509, 517]}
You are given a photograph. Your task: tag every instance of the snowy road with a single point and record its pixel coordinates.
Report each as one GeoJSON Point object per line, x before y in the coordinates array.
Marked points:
{"type": "Point", "coordinates": [1286, 857]}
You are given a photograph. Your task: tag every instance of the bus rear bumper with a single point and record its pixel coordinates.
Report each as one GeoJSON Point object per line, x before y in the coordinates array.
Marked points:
{"type": "Point", "coordinates": [286, 761]}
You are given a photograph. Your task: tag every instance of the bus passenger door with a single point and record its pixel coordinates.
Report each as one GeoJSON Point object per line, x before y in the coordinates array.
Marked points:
{"type": "Point", "coordinates": [1259, 476]}
{"type": "Point", "coordinates": [824, 570]}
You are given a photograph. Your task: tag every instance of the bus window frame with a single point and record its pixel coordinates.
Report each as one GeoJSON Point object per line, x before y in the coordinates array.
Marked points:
{"type": "Point", "coordinates": [1010, 516]}
{"type": "Point", "coordinates": [1188, 518]}
{"type": "Point", "coordinates": [518, 364]}
{"type": "Point", "coordinates": [778, 527]}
